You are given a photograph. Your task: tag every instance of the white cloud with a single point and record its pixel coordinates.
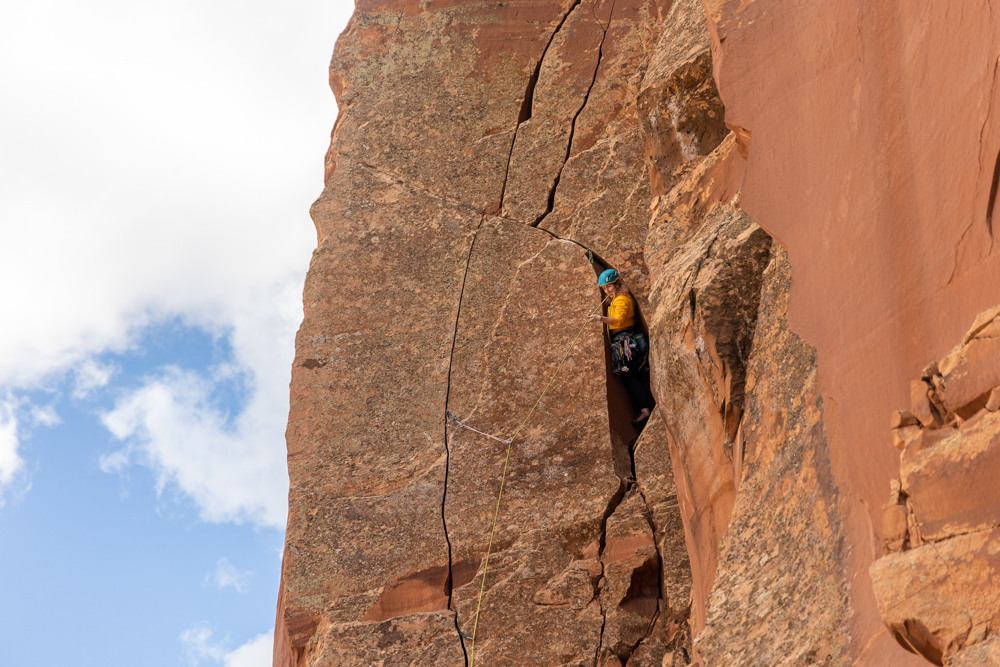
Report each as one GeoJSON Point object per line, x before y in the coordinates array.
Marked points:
{"type": "Point", "coordinates": [44, 415]}
{"type": "Point", "coordinates": [226, 575]}
{"type": "Point", "coordinates": [234, 469]}
{"type": "Point", "coordinates": [10, 461]}
{"type": "Point", "coordinates": [168, 177]}
{"type": "Point", "coordinates": [91, 375]}
{"type": "Point", "coordinates": [198, 647]}
{"type": "Point", "coordinates": [258, 652]}
{"type": "Point", "coordinates": [194, 150]}
{"type": "Point", "coordinates": [234, 472]}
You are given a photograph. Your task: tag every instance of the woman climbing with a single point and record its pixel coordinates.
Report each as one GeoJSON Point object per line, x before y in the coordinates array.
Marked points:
{"type": "Point", "coordinates": [628, 345]}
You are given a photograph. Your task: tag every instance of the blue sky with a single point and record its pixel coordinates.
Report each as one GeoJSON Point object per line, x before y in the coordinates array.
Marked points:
{"type": "Point", "coordinates": [157, 163]}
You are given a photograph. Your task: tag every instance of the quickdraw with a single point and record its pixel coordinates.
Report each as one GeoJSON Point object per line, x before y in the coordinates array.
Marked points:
{"type": "Point", "coordinates": [503, 481]}
{"type": "Point", "coordinates": [627, 349]}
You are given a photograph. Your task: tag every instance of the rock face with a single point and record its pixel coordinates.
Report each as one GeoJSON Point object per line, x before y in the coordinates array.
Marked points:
{"type": "Point", "coordinates": [872, 153]}
{"type": "Point", "coordinates": [798, 255]}
{"type": "Point", "coordinates": [523, 288]}
{"type": "Point", "coordinates": [936, 589]}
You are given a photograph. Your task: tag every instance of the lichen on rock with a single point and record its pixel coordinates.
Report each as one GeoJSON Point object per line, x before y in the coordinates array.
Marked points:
{"type": "Point", "coordinates": [804, 221]}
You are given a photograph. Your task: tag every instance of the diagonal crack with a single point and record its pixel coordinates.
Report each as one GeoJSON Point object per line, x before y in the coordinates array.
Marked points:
{"type": "Point", "coordinates": [396, 29]}
{"type": "Point", "coordinates": [529, 100]}
{"type": "Point", "coordinates": [447, 448]}
{"type": "Point", "coordinates": [572, 126]}
{"type": "Point", "coordinates": [413, 186]}
{"type": "Point", "coordinates": [958, 248]}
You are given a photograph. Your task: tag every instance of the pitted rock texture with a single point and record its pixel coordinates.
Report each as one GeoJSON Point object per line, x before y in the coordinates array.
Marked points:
{"type": "Point", "coordinates": [486, 159]}
{"type": "Point", "coordinates": [983, 654]}
{"type": "Point", "coordinates": [425, 639]}
{"type": "Point", "coordinates": [523, 288]}
{"type": "Point", "coordinates": [706, 291]}
{"type": "Point", "coordinates": [871, 139]}
{"type": "Point", "coordinates": [780, 594]}
{"type": "Point", "coordinates": [420, 300]}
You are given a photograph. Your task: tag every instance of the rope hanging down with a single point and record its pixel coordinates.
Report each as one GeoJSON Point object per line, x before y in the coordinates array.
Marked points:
{"type": "Point", "coordinates": [503, 477]}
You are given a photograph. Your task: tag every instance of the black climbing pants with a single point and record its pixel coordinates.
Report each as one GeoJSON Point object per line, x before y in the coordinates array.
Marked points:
{"type": "Point", "coordinates": [634, 385]}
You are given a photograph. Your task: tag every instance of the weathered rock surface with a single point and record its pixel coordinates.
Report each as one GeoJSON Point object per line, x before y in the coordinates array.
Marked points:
{"type": "Point", "coordinates": [871, 143]}
{"type": "Point", "coordinates": [780, 594]}
{"type": "Point", "coordinates": [365, 539]}
{"type": "Point", "coordinates": [937, 588]}
{"type": "Point", "coordinates": [631, 589]}
{"type": "Point", "coordinates": [524, 288]}
{"type": "Point", "coordinates": [983, 654]}
{"type": "Point", "coordinates": [419, 302]}
{"type": "Point", "coordinates": [655, 480]}
{"type": "Point", "coordinates": [637, 131]}
{"type": "Point", "coordinates": [480, 151]}
{"type": "Point", "coordinates": [706, 288]}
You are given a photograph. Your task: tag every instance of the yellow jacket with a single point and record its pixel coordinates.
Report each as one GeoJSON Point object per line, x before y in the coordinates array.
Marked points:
{"type": "Point", "coordinates": [622, 310]}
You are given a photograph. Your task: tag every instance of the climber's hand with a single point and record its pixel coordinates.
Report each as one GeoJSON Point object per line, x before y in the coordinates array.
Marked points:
{"type": "Point", "coordinates": [594, 318]}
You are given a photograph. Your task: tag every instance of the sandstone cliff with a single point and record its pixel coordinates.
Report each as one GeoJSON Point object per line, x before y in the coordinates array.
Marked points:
{"type": "Point", "coordinates": [800, 198]}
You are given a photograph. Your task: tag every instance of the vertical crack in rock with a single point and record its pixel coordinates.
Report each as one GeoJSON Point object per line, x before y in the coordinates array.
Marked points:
{"type": "Point", "coordinates": [993, 196]}
{"type": "Point", "coordinates": [497, 209]}
{"type": "Point", "coordinates": [529, 94]}
{"type": "Point", "coordinates": [528, 102]}
{"type": "Point", "coordinates": [613, 504]}
{"type": "Point", "coordinates": [447, 449]}
{"type": "Point", "coordinates": [661, 613]}
{"type": "Point", "coordinates": [634, 580]}
{"type": "Point", "coordinates": [989, 110]}
{"type": "Point", "coordinates": [399, 20]}
{"type": "Point", "coordinates": [996, 169]}
{"type": "Point", "coordinates": [659, 572]}
{"type": "Point", "coordinates": [572, 126]}
{"type": "Point", "coordinates": [994, 183]}
{"type": "Point", "coordinates": [600, 636]}
{"type": "Point", "coordinates": [621, 438]}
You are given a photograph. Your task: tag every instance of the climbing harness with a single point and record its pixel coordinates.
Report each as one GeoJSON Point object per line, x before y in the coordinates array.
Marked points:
{"type": "Point", "coordinates": [503, 478]}
{"type": "Point", "coordinates": [627, 349]}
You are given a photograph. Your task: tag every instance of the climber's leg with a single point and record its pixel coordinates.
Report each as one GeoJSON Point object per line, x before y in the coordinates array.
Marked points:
{"type": "Point", "coordinates": [638, 392]}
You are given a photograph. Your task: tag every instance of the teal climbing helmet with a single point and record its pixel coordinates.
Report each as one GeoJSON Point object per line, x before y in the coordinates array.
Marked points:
{"type": "Point", "coordinates": [607, 277]}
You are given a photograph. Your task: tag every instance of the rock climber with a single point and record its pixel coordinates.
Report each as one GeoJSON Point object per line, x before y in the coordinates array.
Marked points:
{"type": "Point", "coordinates": [628, 345]}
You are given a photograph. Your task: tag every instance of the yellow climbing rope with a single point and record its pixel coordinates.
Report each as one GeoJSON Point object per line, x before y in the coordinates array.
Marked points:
{"type": "Point", "coordinates": [503, 479]}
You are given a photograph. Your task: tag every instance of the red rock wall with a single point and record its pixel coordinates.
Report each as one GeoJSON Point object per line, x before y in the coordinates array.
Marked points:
{"type": "Point", "coordinates": [799, 254]}
{"type": "Point", "coordinates": [872, 157]}
{"type": "Point", "coordinates": [442, 284]}
{"type": "Point", "coordinates": [936, 587]}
